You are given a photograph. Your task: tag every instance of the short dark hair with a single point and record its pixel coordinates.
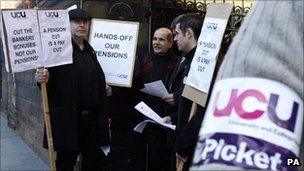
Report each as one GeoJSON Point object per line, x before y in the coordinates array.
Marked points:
{"type": "Point", "coordinates": [193, 21]}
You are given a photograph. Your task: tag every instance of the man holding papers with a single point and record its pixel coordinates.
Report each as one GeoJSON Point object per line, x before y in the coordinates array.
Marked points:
{"type": "Point", "coordinates": [157, 67]}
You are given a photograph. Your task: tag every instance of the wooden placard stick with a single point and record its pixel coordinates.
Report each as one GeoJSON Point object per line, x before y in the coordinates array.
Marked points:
{"type": "Point", "coordinates": [46, 114]}
{"type": "Point", "coordinates": [48, 126]}
{"type": "Point", "coordinates": [180, 163]}
{"type": "Point", "coordinates": [193, 110]}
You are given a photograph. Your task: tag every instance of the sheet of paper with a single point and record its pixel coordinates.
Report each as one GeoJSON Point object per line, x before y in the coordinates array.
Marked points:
{"type": "Point", "coordinates": [141, 126]}
{"type": "Point", "coordinates": [105, 149]}
{"type": "Point", "coordinates": [156, 88]}
{"type": "Point", "coordinates": [147, 111]}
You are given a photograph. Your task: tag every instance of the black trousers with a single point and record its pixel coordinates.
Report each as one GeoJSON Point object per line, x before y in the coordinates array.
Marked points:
{"type": "Point", "coordinates": [90, 160]}
{"type": "Point", "coordinates": [92, 157]}
{"type": "Point", "coordinates": [158, 153]}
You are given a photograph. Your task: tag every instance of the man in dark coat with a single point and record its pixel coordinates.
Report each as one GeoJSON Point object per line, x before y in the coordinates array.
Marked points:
{"type": "Point", "coordinates": [77, 102]}
{"type": "Point", "coordinates": [187, 28]}
{"type": "Point", "coordinates": [158, 65]}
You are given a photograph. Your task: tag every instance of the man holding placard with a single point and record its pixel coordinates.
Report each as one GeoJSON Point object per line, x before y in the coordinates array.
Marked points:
{"type": "Point", "coordinates": [77, 101]}
{"type": "Point", "coordinates": [187, 28]}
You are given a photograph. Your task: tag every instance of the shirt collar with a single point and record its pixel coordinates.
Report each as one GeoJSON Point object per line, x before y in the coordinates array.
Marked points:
{"type": "Point", "coordinates": [190, 54]}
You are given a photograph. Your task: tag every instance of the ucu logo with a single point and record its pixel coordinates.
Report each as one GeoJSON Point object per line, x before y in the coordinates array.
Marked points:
{"type": "Point", "coordinates": [236, 102]}
{"type": "Point", "coordinates": [122, 75]}
{"type": "Point", "coordinates": [19, 14]}
{"type": "Point", "coordinates": [52, 14]}
{"type": "Point", "coordinates": [212, 26]}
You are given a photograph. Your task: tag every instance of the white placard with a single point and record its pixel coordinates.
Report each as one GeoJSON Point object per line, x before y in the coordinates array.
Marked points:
{"type": "Point", "coordinates": [23, 39]}
{"type": "Point", "coordinates": [115, 45]}
{"type": "Point", "coordinates": [204, 60]}
{"type": "Point", "coordinates": [55, 37]}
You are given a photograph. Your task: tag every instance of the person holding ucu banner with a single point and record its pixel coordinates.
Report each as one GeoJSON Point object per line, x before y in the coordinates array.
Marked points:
{"type": "Point", "coordinates": [254, 119]}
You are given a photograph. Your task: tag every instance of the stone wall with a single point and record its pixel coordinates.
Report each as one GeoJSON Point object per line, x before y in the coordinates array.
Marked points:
{"type": "Point", "coordinates": [21, 98]}
{"type": "Point", "coordinates": [21, 103]}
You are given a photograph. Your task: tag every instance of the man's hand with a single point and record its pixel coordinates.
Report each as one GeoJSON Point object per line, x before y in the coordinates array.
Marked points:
{"type": "Point", "coordinates": [167, 120]}
{"type": "Point", "coordinates": [109, 90]}
{"type": "Point", "coordinates": [180, 161]}
{"type": "Point", "coordinates": [42, 75]}
{"type": "Point", "coordinates": [169, 99]}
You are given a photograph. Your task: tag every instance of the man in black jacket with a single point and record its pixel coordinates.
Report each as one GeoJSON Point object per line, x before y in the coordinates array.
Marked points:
{"type": "Point", "coordinates": [158, 65]}
{"type": "Point", "coordinates": [77, 102]}
{"type": "Point", "coordinates": [187, 28]}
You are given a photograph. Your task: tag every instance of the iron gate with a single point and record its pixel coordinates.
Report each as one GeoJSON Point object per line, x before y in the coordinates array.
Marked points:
{"type": "Point", "coordinates": [162, 12]}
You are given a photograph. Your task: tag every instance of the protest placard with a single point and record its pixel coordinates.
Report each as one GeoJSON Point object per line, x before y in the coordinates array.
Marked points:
{"type": "Point", "coordinates": [209, 43]}
{"type": "Point", "coordinates": [55, 37]}
{"type": "Point", "coordinates": [115, 45]}
{"type": "Point", "coordinates": [21, 40]}
{"type": "Point", "coordinates": [203, 64]}
{"type": "Point", "coordinates": [32, 40]}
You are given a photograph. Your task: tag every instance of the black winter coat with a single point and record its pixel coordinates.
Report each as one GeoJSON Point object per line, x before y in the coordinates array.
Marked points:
{"type": "Point", "coordinates": [176, 84]}
{"type": "Point", "coordinates": [156, 67]}
{"type": "Point", "coordinates": [66, 102]}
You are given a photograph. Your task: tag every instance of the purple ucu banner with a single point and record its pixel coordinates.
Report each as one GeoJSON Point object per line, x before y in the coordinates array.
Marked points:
{"type": "Point", "coordinates": [236, 102]}
{"type": "Point", "coordinates": [250, 123]}
{"type": "Point", "coordinates": [243, 152]}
